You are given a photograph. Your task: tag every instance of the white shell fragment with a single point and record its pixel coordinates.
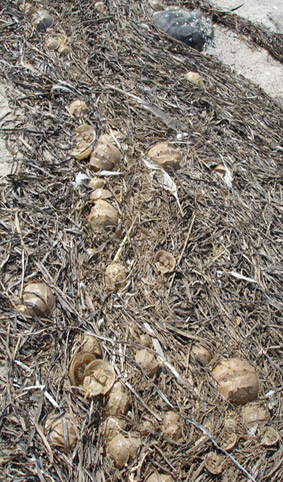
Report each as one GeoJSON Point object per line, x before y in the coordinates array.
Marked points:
{"type": "Point", "coordinates": [165, 155]}
{"type": "Point", "coordinates": [164, 262]}
{"type": "Point", "coordinates": [37, 300]}
{"type": "Point", "coordinates": [236, 380]}
{"type": "Point", "coordinates": [194, 78]}
{"type": "Point", "coordinates": [99, 377]}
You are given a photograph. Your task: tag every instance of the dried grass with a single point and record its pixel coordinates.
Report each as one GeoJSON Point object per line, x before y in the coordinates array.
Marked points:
{"type": "Point", "coordinates": [217, 233]}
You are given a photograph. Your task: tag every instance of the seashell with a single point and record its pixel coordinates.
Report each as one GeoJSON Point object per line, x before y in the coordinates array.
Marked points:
{"type": "Point", "coordinates": [103, 214]}
{"type": "Point", "coordinates": [85, 136]}
{"type": "Point", "coordinates": [230, 425]}
{"type": "Point", "coordinates": [61, 431]}
{"type": "Point", "coordinates": [147, 362]}
{"type": "Point", "coordinates": [42, 20]}
{"type": "Point", "coordinates": [78, 108]}
{"type": "Point", "coordinates": [213, 463]}
{"type": "Point", "coordinates": [164, 262]}
{"type": "Point", "coordinates": [236, 380]}
{"type": "Point", "coordinates": [155, 477]}
{"type": "Point", "coordinates": [105, 155]}
{"type": "Point", "coordinates": [194, 78]}
{"type": "Point", "coordinates": [100, 7]}
{"type": "Point", "coordinates": [52, 43]}
{"type": "Point", "coordinates": [111, 427]}
{"type": "Point", "coordinates": [230, 440]}
{"type": "Point", "coordinates": [37, 300]}
{"type": "Point", "coordinates": [254, 414]}
{"type": "Point", "coordinates": [99, 377]}
{"type": "Point", "coordinates": [270, 437]}
{"type": "Point", "coordinates": [64, 50]}
{"type": "Point", "coordinates": [89, 344]}
{"type": "Point", "coordinates": [118, 450]}
{"type": "Point", "coordinates": [96, 183]}
{"type": "Point", "coordinates": [201, 354]}
{"type": "Point", "coordinates": [78, 365]}
{"type": "Point", "coordinates": [165, 155]}
{"type": "Point", "coordinates": [172, 426]}
{"type": "Point", "coordinates": [115, 276]}
{"type": "Point", "coordinates": [118, 403]}
{"type": "Point", "coordinates": [100, 194]}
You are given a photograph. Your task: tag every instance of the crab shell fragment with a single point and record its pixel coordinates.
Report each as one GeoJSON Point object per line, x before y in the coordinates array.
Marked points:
{"type": "Point", "coordinates": [99, 377]}
{"type": "Point", "coordinates": [172, 426]}
{"type": "Point", "coordinates": [105, 155]}
{"type": "Point", "coordinates": [270, 437]}
{"type": "Point", "coordinates": [253, 414]}
{"type": "Point", "coordinates": [155, 477]}
{"type": "Point", "coordinates": [201, 354]}
{"type": "Point", "coordinates": [37, 300]}
{"type": "Point", "coordinates": [85, 136]}
{"type": "Point", "coordinates": [119, 403]}
{"type": "Point", "coordinates": [115, 276]}
{"type": "Point", "coordinates": [111, 427]}
{"type": "Point", "coordinates": [78, 108]}
{"type": "Point", "coordinates": [61, 431]}
{"type": "Point", "coordinates": [194, 78]}
{"type": "Point", "coordinates": [89, 344]}
{"type": "Point", "coordinates": [147, 362]}
{"type": "Point", "coordinates": [103, 214]}
{"type": "Point", "coordinates": [213, 463]}
{"type": "Point", "coordinates": [236, 380]}
{"type": "Point", "coordinates": [78, 366]}
{"type": "Point", "coordinates": [165, 155]}
{"type": "Point", "coordinates": [164, 262]}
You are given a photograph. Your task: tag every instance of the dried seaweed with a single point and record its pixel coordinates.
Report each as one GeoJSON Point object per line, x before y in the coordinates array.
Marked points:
{"type": "Point", "coordinates": [226, 291]}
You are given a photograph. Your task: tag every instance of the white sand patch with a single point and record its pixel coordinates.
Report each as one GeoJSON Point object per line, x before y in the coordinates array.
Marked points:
{"type": "Point", "coordinates": [267, 12]}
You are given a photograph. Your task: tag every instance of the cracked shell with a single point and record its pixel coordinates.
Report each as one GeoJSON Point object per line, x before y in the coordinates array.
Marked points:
{"type": "Point", "coordinates": [103, 214]}
{"type": "Point", "coordinates": [78, 108]}
{"type": "Point", "coordinates": [78, 365]}
{"type": "Point", "coordinates": [115, 276]}
{"type": "Point", "coordinates": [89, 344]}
{"type": "Point", "coordinates": [147, 362]}
{"type": "Point", "coordinates": [105, 155]}
{"type": "Point", "coordinates": [172, 426]}
{"type": "Point", "coordinates": [254, 414]}
{"type": "Point", "coordinates": [100, 194]}
{"type": "Point", "coordinates": [37, 299]}
{"type": "Point", "coordinates": [99, 377]}
{"type": "Point", "coordinates": [236, 380]}
{"type": "Point", "coordinates": [229, 441]}
{"type": "Point", "coordinates": [164, 262]}
{"type": "Point", "coordinates": [85, 136]}
{"type": "Point", "coordinates": [165, 155]}
{"type": "Point", "coordinates": [213, 463]}
{"type": "Point", "coordinates": [61, 431]}
{"type": "Point", "coordinates": [270, 437]}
